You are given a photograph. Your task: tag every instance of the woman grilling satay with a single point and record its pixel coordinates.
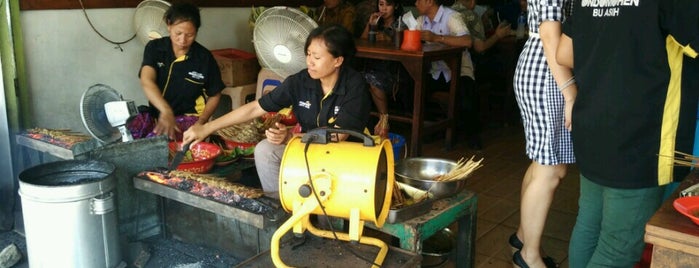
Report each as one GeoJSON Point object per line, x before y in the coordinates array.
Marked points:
{"type": "Point", "coordinates": [177, 74]}
{"type": "Point", "coordinates": [328, 93]}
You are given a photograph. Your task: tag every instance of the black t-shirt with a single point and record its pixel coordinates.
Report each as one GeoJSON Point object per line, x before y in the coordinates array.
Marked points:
{"type": "Point", "coordinates": [183, 80]}
{"type": "Point", "coordinates": [347, 106]}
{"type": "Point", "coordinates": [633, 108]}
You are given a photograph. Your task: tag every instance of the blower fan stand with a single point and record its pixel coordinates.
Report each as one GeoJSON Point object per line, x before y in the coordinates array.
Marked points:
{"type": "Point", "coordinates": [349, 180]}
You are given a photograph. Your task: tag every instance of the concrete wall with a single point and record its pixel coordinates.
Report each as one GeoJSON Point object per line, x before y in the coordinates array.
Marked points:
{"type": "Point", "coordinates": [65, 56]}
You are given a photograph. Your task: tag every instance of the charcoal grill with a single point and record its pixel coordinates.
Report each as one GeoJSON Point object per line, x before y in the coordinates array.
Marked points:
{"type": "Point", "coordinates": [260, 212]}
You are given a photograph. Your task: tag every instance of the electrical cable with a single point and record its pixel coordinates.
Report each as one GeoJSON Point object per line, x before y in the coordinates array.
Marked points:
{"type": "Point", "coordinates": [117, 43]}
{"type": "Point", "coordinates": [315, 194]}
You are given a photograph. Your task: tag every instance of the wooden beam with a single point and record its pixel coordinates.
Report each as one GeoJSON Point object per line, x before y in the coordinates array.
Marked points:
{"type": "Point", "coordinates": [75, 4]}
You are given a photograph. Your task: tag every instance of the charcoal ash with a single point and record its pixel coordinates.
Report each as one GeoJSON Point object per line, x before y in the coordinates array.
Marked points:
{"type": "Point", "coordinates": [253, 206]}
{"type": "Point", "coordinates": [174, 253]}
{"type": "Point", "coordinates": [185, 185]}
{"type": "Point", "coordinates": [163, 253]}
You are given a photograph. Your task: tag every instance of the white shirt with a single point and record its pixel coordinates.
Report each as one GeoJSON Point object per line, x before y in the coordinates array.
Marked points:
{"type": "Point", "coordinates": [447, 22]}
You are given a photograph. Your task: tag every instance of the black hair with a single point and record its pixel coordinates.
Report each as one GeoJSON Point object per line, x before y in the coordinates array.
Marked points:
{"type": "Point", "coordinates": [181, 12]}
{"type": "Point", "coordinates": [398, 7]}
{"type": "Point", "coordinates": [339, 40]}
{"type": "Point", "coordinates": [397, 12]}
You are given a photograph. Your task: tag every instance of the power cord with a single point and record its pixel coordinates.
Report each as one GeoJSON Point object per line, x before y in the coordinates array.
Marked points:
{"type": "Point", "coordinates": [310, 140]}
{"type": "Point", "coordinates": [118, 44]}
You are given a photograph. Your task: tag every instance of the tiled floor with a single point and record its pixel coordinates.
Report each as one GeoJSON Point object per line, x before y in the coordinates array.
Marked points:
{"type": "Point", "coordinates": [498, 185]}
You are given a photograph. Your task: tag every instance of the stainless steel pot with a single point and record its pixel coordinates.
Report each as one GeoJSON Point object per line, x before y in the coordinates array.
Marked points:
{"type": "Point", "coordinates": [420, 173]}
{"type": "Point", "coordinates": [437, 249]}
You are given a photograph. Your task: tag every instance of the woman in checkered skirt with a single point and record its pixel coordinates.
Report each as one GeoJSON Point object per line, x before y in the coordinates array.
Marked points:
{"type": "Point", "coordinates": [545, 92]}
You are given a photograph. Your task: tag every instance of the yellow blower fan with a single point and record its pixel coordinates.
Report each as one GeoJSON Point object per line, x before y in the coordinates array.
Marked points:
{"type": "Point", "coordinates": [349, 180]}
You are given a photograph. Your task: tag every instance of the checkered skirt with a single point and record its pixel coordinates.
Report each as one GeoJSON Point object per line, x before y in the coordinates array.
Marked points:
{"type": "Point", "coordinates": [541, 105]}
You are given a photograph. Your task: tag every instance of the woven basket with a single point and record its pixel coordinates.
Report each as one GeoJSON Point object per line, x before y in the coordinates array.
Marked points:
{"type": "Point", "coordinates": [248, 132]}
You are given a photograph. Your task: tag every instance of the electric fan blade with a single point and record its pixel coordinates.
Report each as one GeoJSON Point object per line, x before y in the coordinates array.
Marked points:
{"type": "Point", "coordinates": [279, 37]}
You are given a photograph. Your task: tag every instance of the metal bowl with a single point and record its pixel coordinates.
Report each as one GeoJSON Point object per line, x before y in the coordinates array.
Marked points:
{"type": "Point", "coordinates": [420, 173]}
{"type": "Point", "coordinates": [437, 249]}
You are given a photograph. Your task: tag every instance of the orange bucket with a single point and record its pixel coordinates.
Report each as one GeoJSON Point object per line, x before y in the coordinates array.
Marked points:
{"type": "Point", "coordinates": [411, 40]}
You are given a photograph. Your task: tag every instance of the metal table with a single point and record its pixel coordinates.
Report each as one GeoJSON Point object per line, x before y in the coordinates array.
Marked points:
{"type": "Point", "coordinates": [460, 208]}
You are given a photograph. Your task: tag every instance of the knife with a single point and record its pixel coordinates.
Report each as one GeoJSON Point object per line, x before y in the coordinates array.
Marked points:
{"type": "Point", "coordinates": [179, 156]}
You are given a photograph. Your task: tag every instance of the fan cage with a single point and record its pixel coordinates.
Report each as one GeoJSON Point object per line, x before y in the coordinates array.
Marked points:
{"type": "Point", "coordinates": [93, 114]}
{"type": "Point", "coordinates": [148, 20]}
{"type": "Point", "coordinates": [279, 37]}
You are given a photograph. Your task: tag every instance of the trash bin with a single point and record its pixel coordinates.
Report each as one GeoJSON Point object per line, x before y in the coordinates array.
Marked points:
{"type": "Point", "coordinates": [70, 215]}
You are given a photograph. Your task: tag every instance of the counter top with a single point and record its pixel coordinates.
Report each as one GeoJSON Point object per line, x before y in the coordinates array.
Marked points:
{"type": "Point", "coordinates": [672, 230]}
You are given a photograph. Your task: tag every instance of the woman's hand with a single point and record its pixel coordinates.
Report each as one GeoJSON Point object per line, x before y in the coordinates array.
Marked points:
{"type": "Point", "coordinates": [503, 30]}
{"type": "Point", "coordinates": [166, 125]}
{"type": "Point", "coordinates": [374, 18]}
{"type": "Point", "coordinates": [195, 134]}
{"type": "Point", "coordinates": [277, 134]}
{"type": "Point", "coordinates": [569, 96]}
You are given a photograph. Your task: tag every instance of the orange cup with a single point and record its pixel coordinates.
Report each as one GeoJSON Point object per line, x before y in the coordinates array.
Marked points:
{"type": "Point", "coordinates": [411, 40]}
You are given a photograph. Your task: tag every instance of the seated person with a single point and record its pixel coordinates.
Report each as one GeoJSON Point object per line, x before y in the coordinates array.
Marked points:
{"type": "Point", "coordinates": [441, 24]}
{"type": "Point", "coordinates": [336, 12]}
{"type": "Point", "coordinates": [363, 10]}
{"type": "Point", "coordinates": [494, 65]}
{"type": "Point", "coordinates": [329, 93]}
{"type": "Point", "coordinates": [488, 18]}
{"type": "Point", "coordinates": [474, 23]}
{"type": "Point", "coordinates": [175, 73]}
{"type": "Point", "coordinates": [384, 76]}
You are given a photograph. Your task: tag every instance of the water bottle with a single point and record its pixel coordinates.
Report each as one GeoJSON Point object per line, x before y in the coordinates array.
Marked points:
{"type": "Point", "coordinates": [521, 23]}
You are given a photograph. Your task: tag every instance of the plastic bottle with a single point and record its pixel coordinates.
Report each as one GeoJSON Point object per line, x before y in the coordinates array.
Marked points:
{"type": "Point", "coordinates": [521, 26]}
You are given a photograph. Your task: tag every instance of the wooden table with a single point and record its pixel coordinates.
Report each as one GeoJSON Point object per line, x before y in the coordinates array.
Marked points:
{"type": "Point", "coordinates": [418, 63]}
{"type": "Point", "coordinates": [675, 238]}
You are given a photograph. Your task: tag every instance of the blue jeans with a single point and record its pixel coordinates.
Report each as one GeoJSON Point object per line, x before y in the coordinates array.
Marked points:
{"type": "Point", "coordinates": [611, 224]}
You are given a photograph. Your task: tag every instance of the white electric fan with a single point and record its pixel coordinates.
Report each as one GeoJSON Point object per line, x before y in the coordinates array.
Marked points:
{"type": "Point", "coordinates": [279, 37]}
{"type": "Point", "coordinates": [148, 20]}
{"type": "Point", "coordinates": [105, 114]}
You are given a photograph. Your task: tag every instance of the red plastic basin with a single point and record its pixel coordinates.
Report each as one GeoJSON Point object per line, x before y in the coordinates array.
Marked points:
{"type": "Point", "coordinates": [203, 157]}
{"type": "Point", "coordinates": [688, 206]}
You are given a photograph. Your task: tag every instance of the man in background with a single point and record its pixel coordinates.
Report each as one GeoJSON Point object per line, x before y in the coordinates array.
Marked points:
{"type": "Point", "coordinates": [441, 24]}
